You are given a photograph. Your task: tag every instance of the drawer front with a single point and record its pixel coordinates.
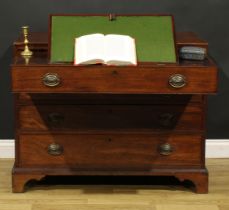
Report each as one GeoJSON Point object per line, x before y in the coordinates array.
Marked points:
{"type": "Point", "coordinates": [118, 80]}
{"type": "Point", "coordinates": [110, 117]}
{"type": "Point", "coordinates": [110, 152]}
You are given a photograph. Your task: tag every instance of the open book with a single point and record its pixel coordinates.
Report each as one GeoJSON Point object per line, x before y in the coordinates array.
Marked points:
{"type": "Point", "coordinates": [108, 49]}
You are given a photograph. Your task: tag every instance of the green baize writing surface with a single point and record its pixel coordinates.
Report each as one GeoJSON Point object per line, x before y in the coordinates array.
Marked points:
{"type": "Point", "coordinates": [153, 35]}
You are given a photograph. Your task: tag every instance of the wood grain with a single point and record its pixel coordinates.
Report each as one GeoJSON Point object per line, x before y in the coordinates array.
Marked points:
{"type": "Point", "coordinates": [116, 80]}
{"type": "Point", "coordinates": [111, 151]}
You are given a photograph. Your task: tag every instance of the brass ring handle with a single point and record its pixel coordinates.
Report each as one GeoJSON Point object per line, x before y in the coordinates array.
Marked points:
{"type": "Point", "coordinates": [55, 149]}
{"type": "Point", "coordinates": [51, 79]}
{"type": "Point", "coordinates": [177, 81]}
{"type": "Point", "coordinates": [166, 149]}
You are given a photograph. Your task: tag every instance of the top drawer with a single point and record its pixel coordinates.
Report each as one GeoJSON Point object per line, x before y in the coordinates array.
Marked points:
{"type": "Point", "coordinates": [117, 80]}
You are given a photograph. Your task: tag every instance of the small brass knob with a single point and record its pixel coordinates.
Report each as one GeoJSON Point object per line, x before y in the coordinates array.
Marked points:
{"type": "Point", "coordinates": [166, 149]}
{"type": "Point", "coordinates": [177, 81]}
{"type": "Point", "coordinates": [51, 79]}
{"type": "Point", "coordinates": [55, 149]}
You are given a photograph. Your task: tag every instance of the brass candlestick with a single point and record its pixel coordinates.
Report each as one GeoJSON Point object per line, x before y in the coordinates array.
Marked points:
{"type": "Point", "coordinates": [26, 52]}
{"type": "Point", "coordinates": [27, 59]}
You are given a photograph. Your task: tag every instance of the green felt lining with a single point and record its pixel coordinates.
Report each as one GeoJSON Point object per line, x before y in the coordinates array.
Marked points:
{"type": "Point", "coordinates": [153, 35]}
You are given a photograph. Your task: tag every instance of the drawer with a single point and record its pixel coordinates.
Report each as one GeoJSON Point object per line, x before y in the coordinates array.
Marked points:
{"type": "Point", "coordinates": [190, 79]}
{"type": "Point", "coordinates": [58, 98]}
{"type": "Point", "coordinates": [110, 117]}
{"type": "Point", "coordinates": [111, 152]}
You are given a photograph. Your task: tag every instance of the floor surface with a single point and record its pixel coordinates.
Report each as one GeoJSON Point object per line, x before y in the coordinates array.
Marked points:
{"type": "Point", "coordinates": [54, 194]}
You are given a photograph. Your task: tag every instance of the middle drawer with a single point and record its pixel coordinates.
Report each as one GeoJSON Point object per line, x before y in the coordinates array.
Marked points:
{"type": "Point", "coordinates": [110, 117]}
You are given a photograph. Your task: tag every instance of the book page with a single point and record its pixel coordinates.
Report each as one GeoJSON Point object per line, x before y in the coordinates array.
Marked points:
{"type": "Point", "coordinates": [120, 50]}
{"type": "Point", "coordinates": [89, 49]}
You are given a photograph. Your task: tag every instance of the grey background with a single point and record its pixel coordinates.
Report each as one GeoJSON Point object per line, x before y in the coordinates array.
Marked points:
{"type": "Point", "coordinates": [206, 17]}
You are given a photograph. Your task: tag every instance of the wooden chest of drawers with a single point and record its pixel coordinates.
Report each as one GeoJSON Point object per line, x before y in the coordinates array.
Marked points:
{"type": "Point", "coordinates": [146, 120]}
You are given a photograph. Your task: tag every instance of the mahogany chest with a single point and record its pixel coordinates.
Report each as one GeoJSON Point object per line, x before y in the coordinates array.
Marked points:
{"type": "Point", "coordinates": [97, 120]}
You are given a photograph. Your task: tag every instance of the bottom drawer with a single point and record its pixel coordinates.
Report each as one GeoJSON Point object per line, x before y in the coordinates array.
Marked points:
{"type": "Point", "coordinates": [110, 151]}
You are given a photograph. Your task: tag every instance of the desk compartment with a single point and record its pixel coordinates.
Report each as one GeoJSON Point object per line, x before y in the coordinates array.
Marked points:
{"type": "Point", "coordinates": [101, 118]}
{"type": "Point", "coordinates": [107, 99]}
{"type": "Point", "coordinates": [111, 151]}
